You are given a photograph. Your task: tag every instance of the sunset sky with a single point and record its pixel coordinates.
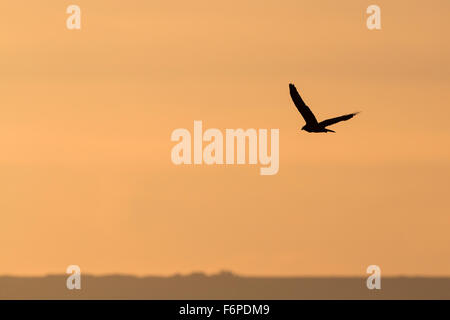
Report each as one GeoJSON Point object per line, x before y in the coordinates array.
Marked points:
{"type": "Point", "coordinates": [86, 115]}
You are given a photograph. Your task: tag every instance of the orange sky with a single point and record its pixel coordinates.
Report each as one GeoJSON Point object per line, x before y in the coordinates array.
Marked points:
{"type": "Point", "coordinates": [86, 117]}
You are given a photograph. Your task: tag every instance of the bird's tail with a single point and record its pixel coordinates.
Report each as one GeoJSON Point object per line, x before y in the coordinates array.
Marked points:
{"type": "Point", "coordinates": [328, 130]}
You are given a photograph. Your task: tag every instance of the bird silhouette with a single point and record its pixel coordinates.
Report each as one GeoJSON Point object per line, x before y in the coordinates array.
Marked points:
{"type": "Point", "coordinates": [311, 122]}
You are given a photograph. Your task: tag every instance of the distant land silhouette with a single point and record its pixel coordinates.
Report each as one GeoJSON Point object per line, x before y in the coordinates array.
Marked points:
{"type": "Point", "coordinates": [224, 285]}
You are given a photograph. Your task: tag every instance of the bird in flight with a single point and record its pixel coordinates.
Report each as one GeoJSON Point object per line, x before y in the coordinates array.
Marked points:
{"type": "Point", "coordinates": [311, 122]}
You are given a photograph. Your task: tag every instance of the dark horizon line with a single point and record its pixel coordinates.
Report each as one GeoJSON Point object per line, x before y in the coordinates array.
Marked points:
{"type": "Point", "coordinates": [225, 274]}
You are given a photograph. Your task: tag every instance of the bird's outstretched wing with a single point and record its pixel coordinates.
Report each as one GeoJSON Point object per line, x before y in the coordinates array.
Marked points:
{"type": "Point", "coordinates": [301, 106]}
{"type": "Point", "coordinates": [331, 121]}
